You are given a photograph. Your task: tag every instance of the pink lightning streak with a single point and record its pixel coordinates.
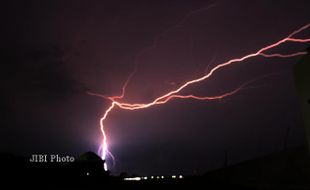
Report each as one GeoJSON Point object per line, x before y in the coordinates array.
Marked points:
{"type": "Point", "coordinates": [116, 100]}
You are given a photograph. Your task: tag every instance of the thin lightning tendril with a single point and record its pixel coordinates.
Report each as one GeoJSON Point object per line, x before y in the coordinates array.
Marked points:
{"type": "Point", "coordinates": [174, 94]}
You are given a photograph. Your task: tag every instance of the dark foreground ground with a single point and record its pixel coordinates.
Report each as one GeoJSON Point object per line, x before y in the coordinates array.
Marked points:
{"type": "Point", "coordinates": [289, 169]}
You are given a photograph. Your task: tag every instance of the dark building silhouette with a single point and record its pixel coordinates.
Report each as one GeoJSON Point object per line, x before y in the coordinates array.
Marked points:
{"type": "Point", "coordinates": [90, 164]}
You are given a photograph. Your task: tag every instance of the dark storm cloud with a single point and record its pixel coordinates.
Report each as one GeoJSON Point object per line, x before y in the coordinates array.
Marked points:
{"type": "Point", "coordinates": [40, 73]}
{"type": "Point", "coordinates": [33, 79]}
{"type": "Point", "coordinates": [37, 72]}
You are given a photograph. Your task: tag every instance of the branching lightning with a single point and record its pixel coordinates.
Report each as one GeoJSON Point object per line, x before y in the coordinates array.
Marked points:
{"type": "Point", "coordinates": [116, 101]}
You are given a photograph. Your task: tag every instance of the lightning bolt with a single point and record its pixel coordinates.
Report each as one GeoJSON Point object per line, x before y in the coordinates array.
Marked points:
{"type": "Point", "coordinates": [116, 101]}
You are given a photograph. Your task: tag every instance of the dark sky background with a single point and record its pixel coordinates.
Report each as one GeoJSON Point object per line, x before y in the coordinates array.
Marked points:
{"type": "Point", "coordinates": [52, 52]}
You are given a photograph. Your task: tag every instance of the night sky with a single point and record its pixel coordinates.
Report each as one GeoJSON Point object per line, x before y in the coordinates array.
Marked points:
{"type": "Point", "coordinates": [53, 52]}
